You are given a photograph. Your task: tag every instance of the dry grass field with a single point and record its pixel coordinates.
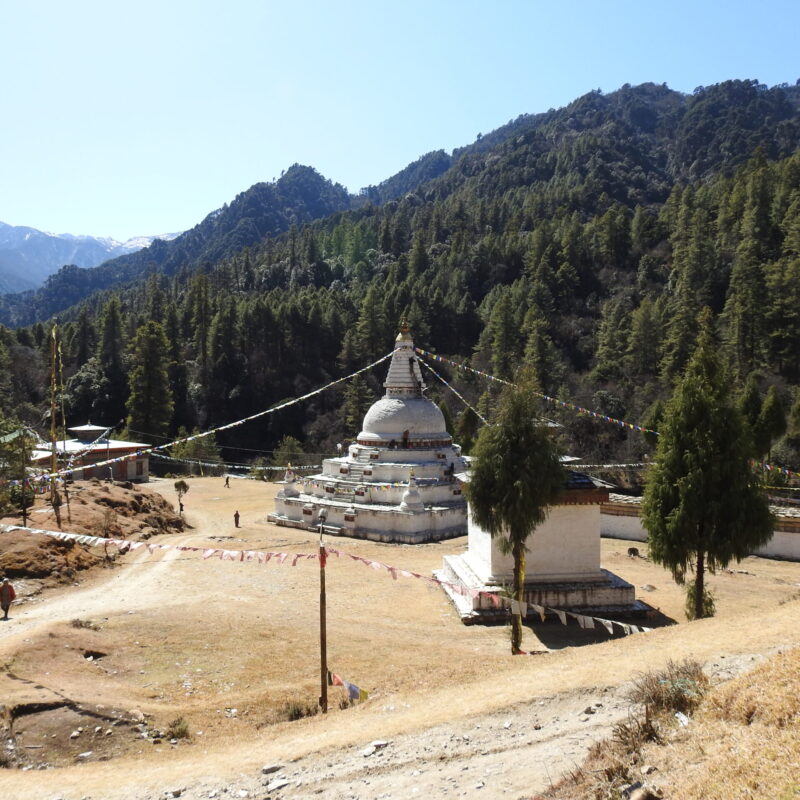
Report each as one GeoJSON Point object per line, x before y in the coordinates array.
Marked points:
{"type": "Point", "coordinates": [232, 649]}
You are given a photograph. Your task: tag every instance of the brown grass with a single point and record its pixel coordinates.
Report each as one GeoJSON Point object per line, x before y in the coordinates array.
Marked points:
{"type": "Point", "coordinates": [769, 695]}
{"type": "Point", "coordinates": [246, 635]}
{"type": "Point", "coordinates": [743, 742]}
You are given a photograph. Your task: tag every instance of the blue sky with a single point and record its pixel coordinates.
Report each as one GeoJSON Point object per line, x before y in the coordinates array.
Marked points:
{"type": "Point", "coordinates": [140, 118]}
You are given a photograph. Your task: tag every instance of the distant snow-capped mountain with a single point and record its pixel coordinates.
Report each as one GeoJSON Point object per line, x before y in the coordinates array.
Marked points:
{"type": "Point", "coordinates": [28, 256]}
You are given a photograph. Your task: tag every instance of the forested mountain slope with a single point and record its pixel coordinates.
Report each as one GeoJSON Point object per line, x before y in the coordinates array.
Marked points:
{"type": "Point", "coordinates": [265, 209]}
{"type": "Point", "coordinates": [580, 242]}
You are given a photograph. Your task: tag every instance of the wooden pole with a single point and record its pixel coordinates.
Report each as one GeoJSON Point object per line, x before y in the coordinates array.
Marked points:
{"type": "Point", "coordinates": [323, 634]}
{"type": "Point", "coordinates": [24, 476]}
{"type": "Point", "coordinates": [55, 500]}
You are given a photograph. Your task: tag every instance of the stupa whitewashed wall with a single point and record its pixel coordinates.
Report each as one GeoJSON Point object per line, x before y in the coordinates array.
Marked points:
{"type": "Point", "coordinates": [562, 562]}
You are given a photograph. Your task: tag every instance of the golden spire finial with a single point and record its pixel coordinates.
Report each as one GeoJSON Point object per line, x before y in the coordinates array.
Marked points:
{"type": "Point", "coordinates": [405, 332]}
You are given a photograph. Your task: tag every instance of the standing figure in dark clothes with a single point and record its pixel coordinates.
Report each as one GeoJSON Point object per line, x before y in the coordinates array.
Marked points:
{"type": "Point", "coordinates": [236, 518]}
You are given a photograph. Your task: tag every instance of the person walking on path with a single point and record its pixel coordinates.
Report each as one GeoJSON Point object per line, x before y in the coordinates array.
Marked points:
{"type": "Point", "coordinates": [227, 481]}
{"type": "Point", "coordinates": [7, 595]}
{"type": "Point", "coordinates": [236, 518]}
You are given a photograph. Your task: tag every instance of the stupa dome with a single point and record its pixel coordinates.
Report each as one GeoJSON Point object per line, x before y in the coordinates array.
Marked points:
{"type": "Point", "coordinates": [390, 417]}
{"type": "Point", "coordinates": [404, 417]}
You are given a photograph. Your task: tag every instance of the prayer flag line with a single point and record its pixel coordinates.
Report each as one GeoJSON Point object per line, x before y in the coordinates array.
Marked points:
{"type": "Point", "coordinates": [154, 448]}
{"type": "Point", "coordinates": [265, 557]}
{"type": "Point", "coordinates": [554, 400]}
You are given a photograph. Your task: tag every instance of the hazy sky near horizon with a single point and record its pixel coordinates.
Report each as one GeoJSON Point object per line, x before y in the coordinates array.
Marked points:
{"type": "Point", "coordinates": [141, 118]}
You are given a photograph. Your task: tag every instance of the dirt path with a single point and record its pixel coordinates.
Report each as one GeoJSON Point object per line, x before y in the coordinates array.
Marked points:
{"type": "Point", "coordinates": [229, 645]}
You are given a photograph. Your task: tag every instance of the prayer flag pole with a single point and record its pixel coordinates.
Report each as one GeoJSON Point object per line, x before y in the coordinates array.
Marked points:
{"type": "Point", "coordinates": [323, 634]}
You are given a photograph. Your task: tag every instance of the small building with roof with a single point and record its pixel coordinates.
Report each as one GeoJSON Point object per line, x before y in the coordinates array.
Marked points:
{"type": "Point", "coordinates": [90, 446]}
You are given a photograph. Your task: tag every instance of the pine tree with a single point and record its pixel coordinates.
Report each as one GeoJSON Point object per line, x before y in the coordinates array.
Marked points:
{"type": "Point", "coordinates": [783, 315]}
{"type": "Point", "coordinates": [372, 328]}
{"type": "Point", "coordinates": [517, 476]}
{"type": "Point", "coordinates": [84, 339]}
{"type": "Point", "coordinates": [641, 357]}
{"type": "Point", "coordinates": [358, 397]}
{"type": "Point", "coordinates": [702, 506]}
{"type": "Point", "coordinates": [150, 401]}
{"type": "Point", "coordinates": [503, 337]}
{"type": "Point", "coordinates": [202, 450]}
{"type": "Point", "coordinates": [771, 423]}
{"type": "Point", "coordinates": [540, 355]}
{"type": "Point", "coordinates": [112, 389]}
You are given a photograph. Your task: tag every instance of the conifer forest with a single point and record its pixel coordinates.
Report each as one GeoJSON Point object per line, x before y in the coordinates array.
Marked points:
{"type": "Point", "coordinates": [581, 244]}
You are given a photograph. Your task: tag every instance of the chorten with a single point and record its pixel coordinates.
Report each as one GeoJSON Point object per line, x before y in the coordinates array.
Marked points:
{"type": "Point", "coordinates": [396, 483]}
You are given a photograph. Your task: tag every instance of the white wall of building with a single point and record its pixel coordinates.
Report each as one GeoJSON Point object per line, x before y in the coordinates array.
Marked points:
{"type": "Point", "coordinates": [566, 547]}
{"type": "Point", "coordinates": [785, 542]}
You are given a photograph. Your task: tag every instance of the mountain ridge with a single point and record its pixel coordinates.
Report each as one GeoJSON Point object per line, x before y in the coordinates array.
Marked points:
{"type": "Point", "coordinates": [28, 256]}
{"type": "Point", "coordinates": [656, 135]}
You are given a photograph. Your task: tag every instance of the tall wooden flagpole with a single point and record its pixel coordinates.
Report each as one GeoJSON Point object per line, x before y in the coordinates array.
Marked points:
{"type": "Point", "coordinates": [323, 633]}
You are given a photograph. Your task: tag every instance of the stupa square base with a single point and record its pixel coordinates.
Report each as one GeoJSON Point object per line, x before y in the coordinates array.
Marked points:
{"type": "Point", "coordinates": [385, 536]}
{"type": "Point", "coordinates": [610, 596]}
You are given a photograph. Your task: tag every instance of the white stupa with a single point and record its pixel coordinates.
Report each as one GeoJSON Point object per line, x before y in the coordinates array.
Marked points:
{"type": "Point", "coordinates": [397, 481]}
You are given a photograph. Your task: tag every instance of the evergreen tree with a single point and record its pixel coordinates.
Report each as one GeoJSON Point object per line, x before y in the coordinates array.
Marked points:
{"type": "Point", "coordinates": [749, 402]}
{"type": "Point", "coordinates": [793, 423]}
{"type": "Point", "coordinates": [84, 340]}
{"type": "Point", "coordinates": [5, 376]}
{"type": "Point", "coordinates": [372, 328]}
{"type": "Point", "coordinates": [516, 477]}
{"type": "Point", "coordinates": [204, 451]}
{"type": "Point", "coordinates": [702, 506]}
{"type": "Point", "coordinates": [358, 397]}
{"type": "Point", "coordinates": [783, 316]}
{"type": "Point", "coordinates": [771, 423]}
{"type": "Point", "coordinates": [448, 418]}
{"type": "Point", "coordinates": [288, 451]}
{"type": "Point", "coordinates": [150, 401]}
{"type": "Point", "coordinates": [540, 355]}
{"type": "Point", "coordinates": [112, 386]}
{"type": "Point", "coordinates": [503, 335]}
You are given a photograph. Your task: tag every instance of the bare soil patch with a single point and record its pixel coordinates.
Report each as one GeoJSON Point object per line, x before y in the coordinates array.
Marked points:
{"type": "Point", "coordinates": [117, 510]}
{"type": "Point", "coordinates": [231, 646]}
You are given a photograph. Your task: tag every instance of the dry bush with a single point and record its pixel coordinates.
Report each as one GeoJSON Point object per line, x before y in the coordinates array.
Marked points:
{"type": "Point", "coordinates": [680, 686]}
{"type": "Point", "coordinates": [633, 733]}
{"type": "Point", "coordinates": [297, 709]}
{"type": "Point", "coordinates": [769, 695]}
{"type": "Point", "coordinates": [84, 623]}
{"type": "Point", "coordinates": [178, 729]}
{"type": "Point", "coordinates": [602, 775]}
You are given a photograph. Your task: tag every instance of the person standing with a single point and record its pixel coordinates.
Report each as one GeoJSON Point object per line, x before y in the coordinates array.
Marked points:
{"type": "Point", "coordinates": [227, 481]}
{"type": "Point", "coordinates": [7, 595]}
{"type": "Point", "coordinates": [236, 518]}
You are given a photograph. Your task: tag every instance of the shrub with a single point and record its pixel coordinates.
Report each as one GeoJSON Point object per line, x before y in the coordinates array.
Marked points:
{"type": "Point", "coordinates": [680, 686]}
{"type": "Point", "coordinates": [632, 734]}
{"type": "Point", "coordinates": [178, 729]}
{"type": "Point", "coordinates": [297, 709]}
{"type": "Point", "coordinates": [84, 623]}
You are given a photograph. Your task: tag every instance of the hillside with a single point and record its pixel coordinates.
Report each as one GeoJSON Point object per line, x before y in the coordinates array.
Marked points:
{"type": "Point", "coordinates": [661, 136]}
{"type": "Point", "coordinates": [159, 636]}
{"type": "Point", "coordinates": [265, 209]}
{"type": "Point", "coordinates": [581, 242]}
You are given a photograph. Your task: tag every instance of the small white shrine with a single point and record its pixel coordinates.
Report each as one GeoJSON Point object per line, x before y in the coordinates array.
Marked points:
{"type": "Point", "coordinates": [396, 483]}
{"type": "Point", "coordinates": [562, 562]}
